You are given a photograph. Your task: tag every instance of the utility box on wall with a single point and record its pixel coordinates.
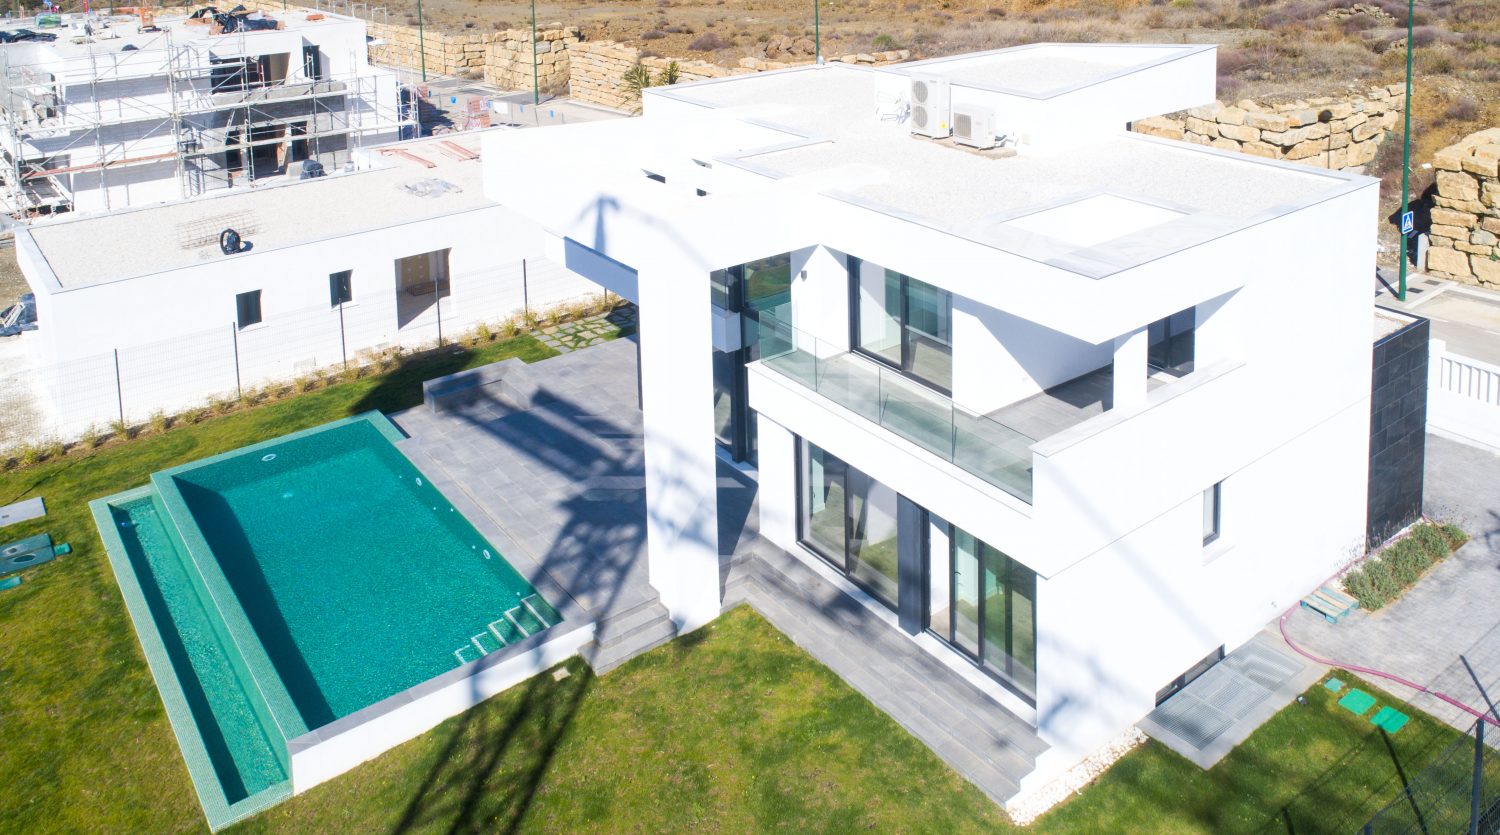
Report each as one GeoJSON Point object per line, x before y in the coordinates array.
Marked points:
{"type": "Point", "coordinates": [1398, 425]}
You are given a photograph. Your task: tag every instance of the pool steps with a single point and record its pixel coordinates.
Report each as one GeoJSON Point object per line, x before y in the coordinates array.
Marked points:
{"type": "Point", "coordinates": [510, 629]}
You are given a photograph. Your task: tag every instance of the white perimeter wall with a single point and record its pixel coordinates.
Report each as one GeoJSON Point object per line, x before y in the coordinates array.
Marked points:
{"type": "Point", "coordinates": [176, 331]}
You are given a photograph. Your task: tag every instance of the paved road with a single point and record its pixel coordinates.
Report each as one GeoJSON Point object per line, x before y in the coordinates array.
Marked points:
{"type": "Point", "coordinates": [1452, 615]}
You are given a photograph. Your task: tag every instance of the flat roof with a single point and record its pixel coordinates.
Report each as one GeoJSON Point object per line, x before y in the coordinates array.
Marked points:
{"type": "Point", "coordinates": [273, 213]}
{"type": "Point", "coordinates": [1045, 70]}
{"type": "Point", "coordinates": [1166, 195]}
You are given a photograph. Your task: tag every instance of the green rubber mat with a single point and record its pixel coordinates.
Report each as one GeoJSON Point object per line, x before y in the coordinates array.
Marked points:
{"type": "Point", "coordinates": [1389, 719]}
{"type": "Point", "coordinates": [1357, 701]}
{"type": "Point", "coordinates": [1333, 685]}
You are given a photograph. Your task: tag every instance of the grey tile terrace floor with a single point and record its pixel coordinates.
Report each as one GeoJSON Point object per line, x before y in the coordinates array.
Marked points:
{"type": "Point", "coordinates": [565, 481]}
{"type": "Point", "coordinates": [1451, 616]}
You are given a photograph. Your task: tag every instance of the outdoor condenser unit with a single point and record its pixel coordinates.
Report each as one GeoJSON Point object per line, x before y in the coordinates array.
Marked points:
{"type": "Point", "coordinates": [930, 115]}
{"type": "Point", "coordinates": [974, 126]}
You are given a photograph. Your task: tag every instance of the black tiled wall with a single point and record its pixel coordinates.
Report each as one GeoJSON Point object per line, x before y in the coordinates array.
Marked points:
{"type": "Point", "coordinates": [1398, 431]}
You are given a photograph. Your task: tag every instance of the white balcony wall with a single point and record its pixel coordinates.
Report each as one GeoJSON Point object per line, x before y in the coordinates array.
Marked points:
{"type": "Point", "coordinates": [999, 358]}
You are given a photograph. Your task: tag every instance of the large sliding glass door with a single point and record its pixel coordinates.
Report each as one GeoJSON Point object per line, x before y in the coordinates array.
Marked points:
{"type": "Point", "coordinates": [903, 322]}
{"type": "Point", "coordinates": [984, 604]}
{"type": "Point", "coordinates": [850, 520]}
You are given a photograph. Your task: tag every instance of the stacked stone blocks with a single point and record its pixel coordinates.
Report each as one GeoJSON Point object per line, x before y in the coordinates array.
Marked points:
{"type": "Point", "coordinates": [1465, 229]}
{"type": "Point", "coordinates": [1325, 132]}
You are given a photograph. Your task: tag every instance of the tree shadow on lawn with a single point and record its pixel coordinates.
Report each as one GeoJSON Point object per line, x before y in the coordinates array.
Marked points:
{"type": "Point", "coordinates": [489, 770]}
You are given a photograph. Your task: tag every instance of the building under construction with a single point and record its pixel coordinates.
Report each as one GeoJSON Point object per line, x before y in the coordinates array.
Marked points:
{"type": "Point", "coordinates": [107, 111]}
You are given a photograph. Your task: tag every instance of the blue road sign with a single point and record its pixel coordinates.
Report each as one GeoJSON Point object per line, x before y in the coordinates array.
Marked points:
{"type": "Point", "coordinates": [1408, 223]}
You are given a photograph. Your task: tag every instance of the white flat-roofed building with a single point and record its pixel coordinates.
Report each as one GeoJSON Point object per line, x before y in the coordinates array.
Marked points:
{"type": "Point", "coordinates": [124, 110]}
{"type": "Point", "coordinates": [1077, 412]}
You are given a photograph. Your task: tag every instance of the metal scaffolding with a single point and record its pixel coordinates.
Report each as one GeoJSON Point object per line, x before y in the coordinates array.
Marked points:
{"type": "Point", "coordinates": [217, 114]}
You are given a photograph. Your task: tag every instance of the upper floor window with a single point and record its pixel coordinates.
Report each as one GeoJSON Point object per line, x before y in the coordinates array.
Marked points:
{"type": "Point", "coordinates": [902, 322]}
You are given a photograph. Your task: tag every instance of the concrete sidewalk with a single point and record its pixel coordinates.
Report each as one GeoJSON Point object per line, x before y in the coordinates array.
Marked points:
{"type": "Point", "coordinates": [1452, 616]}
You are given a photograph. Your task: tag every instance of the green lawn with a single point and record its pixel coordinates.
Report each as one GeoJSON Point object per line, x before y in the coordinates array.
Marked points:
{"type": "Point", "coordinates": [732, 728]}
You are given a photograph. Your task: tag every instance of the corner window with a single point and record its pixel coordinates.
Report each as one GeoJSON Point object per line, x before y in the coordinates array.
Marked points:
{"type": "Point", "coordinates": [1171, 343]}
{"type": "Point", "coordinates": [1212, 499]}
{"type": "Point", "coordinates": [340, 288]}
{"type": "Point", "coordinates": [247, 309]}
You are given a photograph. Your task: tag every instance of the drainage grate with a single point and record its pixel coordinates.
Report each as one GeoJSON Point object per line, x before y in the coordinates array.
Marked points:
{"type": "Point", "coordinates": [1225, 694]}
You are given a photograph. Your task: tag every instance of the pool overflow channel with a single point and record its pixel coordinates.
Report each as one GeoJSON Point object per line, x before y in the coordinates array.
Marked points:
{"type": "Point", "coordinates": [233, 617]}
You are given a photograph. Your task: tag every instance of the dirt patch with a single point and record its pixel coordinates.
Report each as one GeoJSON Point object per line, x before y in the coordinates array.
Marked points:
{"type": "Point", "coordinates": [12, 284]}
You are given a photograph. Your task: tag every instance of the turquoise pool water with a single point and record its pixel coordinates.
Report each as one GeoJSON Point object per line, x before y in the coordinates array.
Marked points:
{"type": "Point", "coordinates": [358, 576]}
{"type": "Point", "coordinates": [286, 585]}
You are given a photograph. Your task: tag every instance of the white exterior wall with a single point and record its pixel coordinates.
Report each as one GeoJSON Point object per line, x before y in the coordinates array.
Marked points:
{"type": "Point", "coordinates": [177, 335]}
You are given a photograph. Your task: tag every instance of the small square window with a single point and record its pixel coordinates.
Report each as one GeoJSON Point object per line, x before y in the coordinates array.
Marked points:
{"type": "Point", "coordinates": [340, 288]}
{"type": "Point", "coordinates": [247, 309]}
{"type": "Point", "coordinates": [1212, 500]}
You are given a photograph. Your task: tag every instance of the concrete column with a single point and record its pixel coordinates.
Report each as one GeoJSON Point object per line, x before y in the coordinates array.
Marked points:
{"type": "Point", "coordinates": [777, 483]}
{"type": "Point", "coordinates": [1130, 370]}
{"type": "Point", "coordinates": [676, 342]}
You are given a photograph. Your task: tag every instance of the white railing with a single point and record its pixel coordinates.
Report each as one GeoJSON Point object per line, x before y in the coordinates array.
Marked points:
{"type": "Point", "coordinates": [1463, 396]}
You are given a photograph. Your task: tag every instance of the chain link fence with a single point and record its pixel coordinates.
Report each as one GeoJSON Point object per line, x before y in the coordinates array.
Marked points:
{"type": "Point", "coordinates": [129, 385]}
{"type": "Point", "coordinates": [1459, 792]}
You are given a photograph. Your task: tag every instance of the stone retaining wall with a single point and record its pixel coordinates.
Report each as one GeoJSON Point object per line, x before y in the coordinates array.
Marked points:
{"type": "Point", "coordinates": [507, 61]}
{"type": "Point", "coordinates": [1465, 229]}
{"type": "Point", "coordinates": [1325, 132]}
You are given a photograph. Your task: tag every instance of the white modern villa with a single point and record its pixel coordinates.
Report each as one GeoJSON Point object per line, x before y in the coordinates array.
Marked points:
{"type": "Point", "coordinates": [1075, 409]}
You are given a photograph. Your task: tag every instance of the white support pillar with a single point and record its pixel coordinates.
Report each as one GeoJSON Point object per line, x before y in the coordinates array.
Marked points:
{"type": "Point", "coordinates": [1130, 370]}
{"type": "Point", "coordinates": [676, 341]}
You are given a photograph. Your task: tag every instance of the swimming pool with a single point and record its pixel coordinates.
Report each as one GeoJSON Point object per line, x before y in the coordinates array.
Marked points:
{"type": "Point", "coordinates": [310, 601]}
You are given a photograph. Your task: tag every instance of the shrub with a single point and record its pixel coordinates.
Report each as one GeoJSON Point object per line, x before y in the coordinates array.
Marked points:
{"type": "Point", "coordinates": [653, 35]}
{"type": "Point", "coordinates": [159, 421]}
{"type": "Point", "coordinates": [1385, 576]}
{"type": "Point", "coordinates": [1465, 109]}
{"type": "Point", "coordinates": [121, 429]}
{"type": "Point", "coordinates": [884, 43]}
{"type": "Point", "coordinates": [91, 437]}
{"type": "Point", "coordinates": [668, 75]}
{"type": "Point", "coordinates": [1455, 536]}
{"type": "Point", "coordinates": [707, 42]}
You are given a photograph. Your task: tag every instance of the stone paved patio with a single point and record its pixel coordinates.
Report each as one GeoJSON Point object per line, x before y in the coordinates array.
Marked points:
{"type": "Point", "coordinates": [594, 330]}
{"type": "Point", "coordinates": [1452, 615]}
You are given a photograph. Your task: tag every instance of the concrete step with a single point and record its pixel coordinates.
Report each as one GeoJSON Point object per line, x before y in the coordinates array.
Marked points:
{"type": "Point", "coordinates": [605, 659]}
{"type": "Point", "coordinates": [618, 628]}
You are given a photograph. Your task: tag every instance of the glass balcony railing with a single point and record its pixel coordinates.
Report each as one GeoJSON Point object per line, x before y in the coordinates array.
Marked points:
{"type": "Point", "coordinates": [976, 443]}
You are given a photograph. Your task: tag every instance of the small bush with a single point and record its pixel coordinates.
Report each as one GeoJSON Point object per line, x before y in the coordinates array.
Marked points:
{"type": "Point", "coordinates": [222, 405]}
{"type": "Point", "coordinates": [1385, 576]}
{"type": "Point", "coordinates": [91, 437]}
{"type": "Point", "coordinates": [884, 43]}
{"type": "Point", "coordinates": [121, 429]}
{"type": "Point", "coordinates": [653, 35]}
{"type": "Point", "coordinates": [159, 421]}
{"type": "Point", "coordinates": [1465, 109]}
{"type": "Point", "coordinates": [707, 42]}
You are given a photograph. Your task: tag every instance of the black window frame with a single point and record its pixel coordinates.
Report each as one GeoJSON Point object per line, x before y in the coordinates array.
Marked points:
{"type": "Point", "coordinates": [977, 658]}
{"type": "Point", "coordinates": [340, 288]}
{"type": "Point", "coordinates": [242, 305]}
{"type": "Point", "coordinates": [904, 368]}
{"type": "Point", "coordinates": [842, 564]}
{"type": "Point", "coordinates": [1217, 494]}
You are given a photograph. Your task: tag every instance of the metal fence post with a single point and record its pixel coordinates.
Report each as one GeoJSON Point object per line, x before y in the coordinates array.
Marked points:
{"type": "Point", "coordinates": [343, 342]}
{"type": "Point", "coordinates": [234, 333]}
{"type": "Point", "coordinates": [1478, 778]}
{"type": "Point", "coordinates": [119, 390]}
{"type": "Point", "coordinates": [525, 292]}
{"type": "Point", "coordinates": [437, 304]}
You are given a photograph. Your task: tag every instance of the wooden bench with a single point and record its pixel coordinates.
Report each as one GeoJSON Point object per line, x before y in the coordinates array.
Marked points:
{"type": "Point", "coordinates": [1332, 604]}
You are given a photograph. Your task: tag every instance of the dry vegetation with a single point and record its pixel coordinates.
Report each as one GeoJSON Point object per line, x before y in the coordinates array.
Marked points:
{"type": "Point", "coordinates": [1270, 49]}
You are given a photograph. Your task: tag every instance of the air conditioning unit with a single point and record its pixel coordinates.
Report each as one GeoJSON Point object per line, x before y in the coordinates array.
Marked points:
{"type": "Point", "coordinates": [974, 126]}
{"type": "Point", "coordinates": [930, 115]}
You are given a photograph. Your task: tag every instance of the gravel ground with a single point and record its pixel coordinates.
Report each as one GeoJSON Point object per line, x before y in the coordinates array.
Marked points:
{"type": "Point", "coordinates": [20, 419]}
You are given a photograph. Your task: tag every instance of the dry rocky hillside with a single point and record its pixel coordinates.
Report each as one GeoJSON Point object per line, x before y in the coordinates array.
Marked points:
{"type": "Point", "coordinates": [1274, 52]}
